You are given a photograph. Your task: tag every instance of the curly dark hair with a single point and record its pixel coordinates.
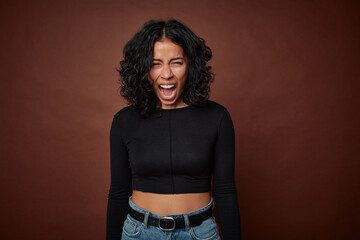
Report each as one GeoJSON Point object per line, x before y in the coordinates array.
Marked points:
{"type": "Point", "coordinates": [138, 55]}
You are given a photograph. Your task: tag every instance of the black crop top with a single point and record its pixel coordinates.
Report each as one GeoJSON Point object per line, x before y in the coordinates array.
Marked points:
{"type": "Point", "coordinates": [171, 152]}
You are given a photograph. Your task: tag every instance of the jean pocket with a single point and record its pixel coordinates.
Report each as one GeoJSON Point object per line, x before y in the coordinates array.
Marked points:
{"type": "Point", "coordinates": [207, 230]}
{"type": "Point", "coordinates": [132, 227]}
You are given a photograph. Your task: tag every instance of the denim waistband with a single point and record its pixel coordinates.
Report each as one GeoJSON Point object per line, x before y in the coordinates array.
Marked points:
{"type": "Point", "coordinates": [203, 209]}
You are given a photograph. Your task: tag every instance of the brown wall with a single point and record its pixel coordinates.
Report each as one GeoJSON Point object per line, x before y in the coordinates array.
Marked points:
{"type": "Point", "coordinates": [288, 72]}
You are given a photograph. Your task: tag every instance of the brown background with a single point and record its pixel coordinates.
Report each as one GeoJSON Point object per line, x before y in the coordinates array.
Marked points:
{"type": "Point", "coordinates": [288, 72]}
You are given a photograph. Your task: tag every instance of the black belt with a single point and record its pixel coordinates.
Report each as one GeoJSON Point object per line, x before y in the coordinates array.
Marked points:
{"type": "Point", "coordinates": [169, 223]}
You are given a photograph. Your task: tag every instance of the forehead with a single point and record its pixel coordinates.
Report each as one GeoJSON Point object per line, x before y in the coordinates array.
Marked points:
{"type": "Point", "coordinates": [167, 48]}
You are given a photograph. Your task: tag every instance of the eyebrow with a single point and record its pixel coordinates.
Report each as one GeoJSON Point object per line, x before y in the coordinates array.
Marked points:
{"type": "Point", "coordinates": [155, 59]}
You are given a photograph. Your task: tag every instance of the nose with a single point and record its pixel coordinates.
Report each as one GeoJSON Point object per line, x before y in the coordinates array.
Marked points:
{"type": "Point", "coordinates": [166, 72]}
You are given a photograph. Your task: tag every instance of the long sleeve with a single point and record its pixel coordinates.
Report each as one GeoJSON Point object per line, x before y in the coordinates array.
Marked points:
{"type": "Point", "coordinates": [224, 189]}
{"type": "Point", "coordinates": [120, 186]}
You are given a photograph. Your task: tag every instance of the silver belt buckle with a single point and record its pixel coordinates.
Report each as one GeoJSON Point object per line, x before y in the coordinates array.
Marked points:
{"type": "Point", "coordinates": [167, 229]}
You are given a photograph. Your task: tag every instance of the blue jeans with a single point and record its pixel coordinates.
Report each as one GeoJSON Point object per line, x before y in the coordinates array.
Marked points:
{"type": "Point", "coordinates": [134, 229]}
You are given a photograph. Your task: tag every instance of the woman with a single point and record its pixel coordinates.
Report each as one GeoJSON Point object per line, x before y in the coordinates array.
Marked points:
{"type": "Point", "coordinates": [169, 142]}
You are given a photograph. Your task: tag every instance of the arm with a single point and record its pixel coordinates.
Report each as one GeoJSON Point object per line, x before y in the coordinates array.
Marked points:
{"type": "Point", "coordinates": [224, 189]}
{"type": "Point", "coordinates": [120, 187]}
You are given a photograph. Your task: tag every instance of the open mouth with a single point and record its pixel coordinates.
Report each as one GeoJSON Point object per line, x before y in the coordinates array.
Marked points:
{"type": "Point", "coordinates": [167, 91]}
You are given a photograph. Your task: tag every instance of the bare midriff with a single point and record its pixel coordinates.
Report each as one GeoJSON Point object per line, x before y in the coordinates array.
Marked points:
{"type": "Point", "coordinates": [170, 204]}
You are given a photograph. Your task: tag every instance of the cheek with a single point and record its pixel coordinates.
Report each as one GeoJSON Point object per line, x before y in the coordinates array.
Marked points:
{"type": "Point", "coordinates": [183, 77]}
{"type": "Point", "coordinates": [181, 74]}
{"type": "Point", "coordinates": [153, 75]}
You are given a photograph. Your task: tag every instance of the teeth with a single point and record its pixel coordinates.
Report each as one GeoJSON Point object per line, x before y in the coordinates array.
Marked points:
{"type": "Point", "coordinates": [167, 86]}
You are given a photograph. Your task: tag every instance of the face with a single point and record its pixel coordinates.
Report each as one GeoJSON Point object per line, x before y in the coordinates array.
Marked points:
{"type": "Point", "coordinates": [168, 73]}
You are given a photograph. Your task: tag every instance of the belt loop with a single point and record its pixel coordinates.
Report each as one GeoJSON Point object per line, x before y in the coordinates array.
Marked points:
{"type": "Point", "coordinates": [187, 222]}
{"type": "Point", "coordinates": [146, 217]}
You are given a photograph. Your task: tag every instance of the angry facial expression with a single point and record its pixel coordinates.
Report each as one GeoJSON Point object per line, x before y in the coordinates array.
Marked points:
{"type": "Point", "coordinates": [168, 73]}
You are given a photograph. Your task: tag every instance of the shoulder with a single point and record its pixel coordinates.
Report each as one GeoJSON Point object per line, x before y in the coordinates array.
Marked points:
{"type": "Point", "coordinates": [222, 114]}
{"type": "Point", "coordinates": [122, 118]}
{"type": "Point", "coordinates": [216, 108]}
{"type": "Point", "coordinates": [212, 112]}
{"type": "Point", "coordinates": [124, 114]}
